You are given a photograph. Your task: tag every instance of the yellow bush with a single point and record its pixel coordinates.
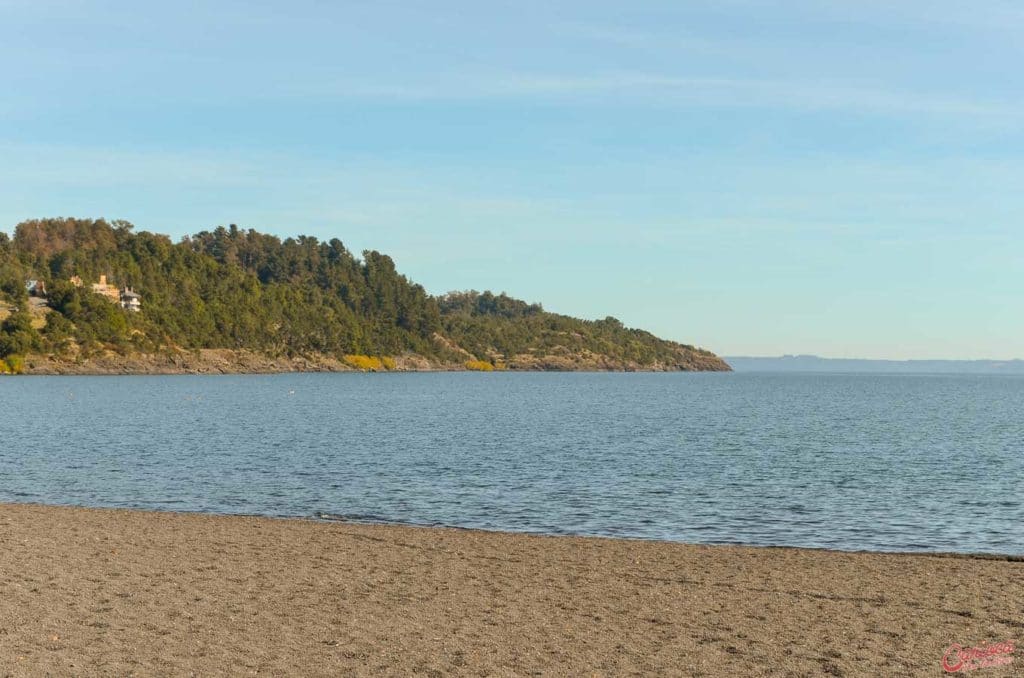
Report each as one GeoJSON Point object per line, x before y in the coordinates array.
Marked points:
{"type": "Point", "coordinates": [370, 363]}
{"type": "Point", "coordinates": [479, 365]}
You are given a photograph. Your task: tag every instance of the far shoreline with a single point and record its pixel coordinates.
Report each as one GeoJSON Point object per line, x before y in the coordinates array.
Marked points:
{"type": "Point", "coordinates": [87, 373]}
{"type": "Point", "coordinates": [231, 361]}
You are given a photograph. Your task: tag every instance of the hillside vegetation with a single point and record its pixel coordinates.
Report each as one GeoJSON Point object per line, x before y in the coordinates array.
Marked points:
{"type": "Point", "coordinates": [294, 299]}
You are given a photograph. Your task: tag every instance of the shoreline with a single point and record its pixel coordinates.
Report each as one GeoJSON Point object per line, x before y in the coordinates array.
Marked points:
{"type": "Point", "coordinates": [241, 361]}
{"type": "Point", "coordinates": [220, 373]}
{"type": "Point", "coordinates": [343, 520]}
{"type": "Point", "coordinates": [118, 591]}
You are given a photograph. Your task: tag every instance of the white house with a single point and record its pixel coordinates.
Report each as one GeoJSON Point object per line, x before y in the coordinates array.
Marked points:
{"type": "Point", "coordinates": [130, 300]}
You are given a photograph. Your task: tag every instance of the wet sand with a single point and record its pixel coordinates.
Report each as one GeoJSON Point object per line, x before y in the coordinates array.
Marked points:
{"type": "Point", "coordinates": [97, 592]}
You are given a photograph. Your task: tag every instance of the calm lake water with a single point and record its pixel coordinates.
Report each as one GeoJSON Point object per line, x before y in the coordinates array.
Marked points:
{"type": "Point", "coordinates": [883, 462]}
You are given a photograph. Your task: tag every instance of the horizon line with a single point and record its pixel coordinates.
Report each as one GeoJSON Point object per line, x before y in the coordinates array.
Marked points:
{"type": "Point", "coordinates": [876, 360]}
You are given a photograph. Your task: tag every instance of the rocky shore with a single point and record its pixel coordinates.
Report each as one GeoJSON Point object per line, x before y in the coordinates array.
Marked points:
{"type": "Point", "coordinates": [228, 361]}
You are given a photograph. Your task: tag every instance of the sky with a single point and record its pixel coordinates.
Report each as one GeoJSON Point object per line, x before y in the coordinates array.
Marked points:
{"type": "Point", "coordinates": [836, 178]}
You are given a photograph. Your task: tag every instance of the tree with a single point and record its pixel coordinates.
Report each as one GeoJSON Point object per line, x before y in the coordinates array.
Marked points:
{"type": "Point", "coordinates": [17, 336]}
{"type": "Point", "coordinates": [240, 289]}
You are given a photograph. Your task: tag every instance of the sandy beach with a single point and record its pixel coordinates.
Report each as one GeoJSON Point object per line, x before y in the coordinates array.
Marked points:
{"type": "Point", "coordinates": [100, 592]}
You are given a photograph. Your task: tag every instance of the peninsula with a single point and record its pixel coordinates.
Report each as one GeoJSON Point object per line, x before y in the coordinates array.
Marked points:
{"type": "Point", "coordinates": [87, 296]}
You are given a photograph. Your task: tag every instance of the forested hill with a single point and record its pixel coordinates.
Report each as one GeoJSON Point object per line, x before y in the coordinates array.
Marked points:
{"type": "Point", "coordinates": [299, 299]}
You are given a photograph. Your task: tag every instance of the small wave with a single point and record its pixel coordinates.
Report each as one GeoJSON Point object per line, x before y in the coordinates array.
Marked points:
{"type": "Point", "coordinates": [371, 518]}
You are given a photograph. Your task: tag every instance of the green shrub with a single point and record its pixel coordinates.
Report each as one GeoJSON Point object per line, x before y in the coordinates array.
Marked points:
{"type": "Point", "coordinates": [15, 364]}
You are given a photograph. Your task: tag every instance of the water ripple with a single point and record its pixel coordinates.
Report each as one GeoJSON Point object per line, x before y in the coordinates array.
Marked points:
{"type": "Point", "coordinates": [876, 462]}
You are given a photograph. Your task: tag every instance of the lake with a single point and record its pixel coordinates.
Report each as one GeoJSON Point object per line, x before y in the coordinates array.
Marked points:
{"type": "Point", "coordinates": [880, 462]}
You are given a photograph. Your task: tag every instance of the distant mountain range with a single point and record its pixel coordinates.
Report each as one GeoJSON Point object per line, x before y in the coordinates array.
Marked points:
{"type": "Point", "coordinates": [813, 363]}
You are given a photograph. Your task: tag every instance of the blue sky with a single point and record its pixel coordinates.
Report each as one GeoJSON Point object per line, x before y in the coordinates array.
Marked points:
{"type": "Point", "coordinates": [839, 178]}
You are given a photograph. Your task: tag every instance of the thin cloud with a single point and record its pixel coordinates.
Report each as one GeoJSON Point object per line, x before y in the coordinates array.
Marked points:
{"type": "Point", "coordinates": [685, 91]}
{"type": "Point", "coordinates": [83, 166]}
{"type": "Point", "coordinates": [999, 16]}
